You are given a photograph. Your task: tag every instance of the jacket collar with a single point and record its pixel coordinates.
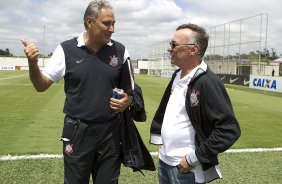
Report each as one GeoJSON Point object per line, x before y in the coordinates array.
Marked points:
{"type": "Point", "coordinates": [200, 70]}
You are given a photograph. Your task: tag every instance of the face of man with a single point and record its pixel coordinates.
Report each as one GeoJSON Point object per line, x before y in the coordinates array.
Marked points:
{"type": "Point", "coordinates": [178, 48]}
{"type": "Point", "coordinates": [102, 28]}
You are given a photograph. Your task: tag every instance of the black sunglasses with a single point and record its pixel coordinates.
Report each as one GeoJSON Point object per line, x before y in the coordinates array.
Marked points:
{"type": "Point", "coordinates": [174, 44]}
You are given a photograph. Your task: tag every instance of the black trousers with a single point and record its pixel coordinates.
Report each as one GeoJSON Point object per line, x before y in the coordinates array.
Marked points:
{"type": "Point", "coordinates": [91, 148]}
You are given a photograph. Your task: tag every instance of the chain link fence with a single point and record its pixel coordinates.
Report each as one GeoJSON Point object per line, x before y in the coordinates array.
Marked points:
{"type": "Point", "coordinates": [234, 48]}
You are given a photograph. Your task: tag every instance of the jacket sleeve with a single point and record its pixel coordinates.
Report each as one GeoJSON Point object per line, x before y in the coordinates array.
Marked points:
{"type": "Point", "coordinates": [137, 110]}
{"type": "Point", "coordinates": [156, 126]}
{"type": "Point", "coordinates": [220, 128]}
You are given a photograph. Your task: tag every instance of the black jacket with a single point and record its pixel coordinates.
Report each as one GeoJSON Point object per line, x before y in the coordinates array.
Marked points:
{"type": "Point", "coordinates": [210, 111]}
{"type": "Point", "coordinates": [134, 152]}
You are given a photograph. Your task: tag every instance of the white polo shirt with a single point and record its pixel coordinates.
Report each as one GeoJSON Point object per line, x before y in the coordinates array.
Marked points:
{"type": "Point", "coordinates": [178, 134]}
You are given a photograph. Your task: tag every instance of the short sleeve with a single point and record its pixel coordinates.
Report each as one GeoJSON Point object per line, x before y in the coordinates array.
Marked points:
{"type": "Point", "coordinates": [55, 69]}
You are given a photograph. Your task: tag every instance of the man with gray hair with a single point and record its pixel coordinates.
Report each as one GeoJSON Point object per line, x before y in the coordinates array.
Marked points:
{"type": "Point", "coordinates": [92, 65]}
{"type": "Point", "coordinates": [195, 119]}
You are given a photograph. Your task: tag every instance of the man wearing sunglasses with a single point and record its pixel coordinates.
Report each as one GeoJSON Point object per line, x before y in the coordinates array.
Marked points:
{"type": "Point", "coordinates": [195, 119]}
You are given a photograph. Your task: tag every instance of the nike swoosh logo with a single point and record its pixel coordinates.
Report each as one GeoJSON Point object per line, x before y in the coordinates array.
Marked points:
{"type": "Point", "coordinates": [222, 77]}
{"type": "Point", "coordinates": [246, 82]}
{"type": "Point", "coordinates": [233, 80]}
{"type": "Point", "coordinates": [79, 61]}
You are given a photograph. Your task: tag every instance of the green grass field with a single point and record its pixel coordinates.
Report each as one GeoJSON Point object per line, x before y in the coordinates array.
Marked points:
{"type": "Point", "coordinates": [31, 123]}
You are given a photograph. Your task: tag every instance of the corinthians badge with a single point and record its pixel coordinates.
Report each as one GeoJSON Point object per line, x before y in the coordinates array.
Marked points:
{"type": "Point", "coordinates": [68, 149]}
{"type": "Point", "coordinates": [114, 61]}
{"type": "Point", "coordinates": [194, 98]}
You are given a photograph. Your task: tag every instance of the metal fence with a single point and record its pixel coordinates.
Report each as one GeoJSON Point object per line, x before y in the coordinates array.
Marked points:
{"type": "Point", "coordinates": [230, 46]}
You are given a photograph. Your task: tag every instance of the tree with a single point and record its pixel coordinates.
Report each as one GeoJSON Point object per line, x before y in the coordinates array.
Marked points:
{"type": "Point", "coordinates": [273, 54]}
{"type": "Point", "coordinates": [265, 56]}
{"type": "Point", "coordinates": [265, 53]}
{"type": "Point", "coordinates": [5, 53]}
{"type": "Point", "coordinates": [8, 51]}
{"type": "Point", "coordinates": [253, 56]}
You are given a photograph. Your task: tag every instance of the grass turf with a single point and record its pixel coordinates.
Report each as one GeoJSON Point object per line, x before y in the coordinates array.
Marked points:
{"type": "Point", "coordinates": [237, 168]}
{"type": "Point", "coordinates": [31, 123]}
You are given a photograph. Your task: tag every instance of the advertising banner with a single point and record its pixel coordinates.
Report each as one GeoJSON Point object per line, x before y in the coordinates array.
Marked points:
{"type": "Point", "coordinates": [243, 80]}
{"type": "Point", "coordinates": [266, 83]}
{"type": "Point", "coordinates": [7, 67]}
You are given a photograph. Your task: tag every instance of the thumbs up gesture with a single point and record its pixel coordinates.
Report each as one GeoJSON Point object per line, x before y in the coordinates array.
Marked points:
{"type": "Point", "coordinates": [31, 51]}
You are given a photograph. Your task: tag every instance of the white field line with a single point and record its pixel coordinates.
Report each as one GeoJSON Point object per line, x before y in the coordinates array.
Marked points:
{"type": "Point", "coordinates": [9, 84]}
{"type": "Point", "coordinates": [252, 150]}
{"type": "Point", "coordinates": [14, 77]}
{"type": "Point", "coordinates": [248, 150]}
{"type": "Point", "coordinates": [40, 156]}
{"type": "Point", "coordinates": [20, 157]}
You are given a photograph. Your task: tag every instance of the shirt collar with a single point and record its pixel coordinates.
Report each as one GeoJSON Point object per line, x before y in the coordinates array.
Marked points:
{"type": "Point", "coordinates": [80, 40]}
{"type": "Point", "coordinates": [190, 75]}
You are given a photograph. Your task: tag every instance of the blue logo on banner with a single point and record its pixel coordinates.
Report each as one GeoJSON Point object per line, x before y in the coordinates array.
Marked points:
{"type": "Point", "coordinates": [265, 83]}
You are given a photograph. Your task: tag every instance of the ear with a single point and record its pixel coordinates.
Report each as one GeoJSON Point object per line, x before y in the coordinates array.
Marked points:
{"type": "Point", "coordinates": [89, 21]}
{"type": "Point", "coordinates": [195, 50]}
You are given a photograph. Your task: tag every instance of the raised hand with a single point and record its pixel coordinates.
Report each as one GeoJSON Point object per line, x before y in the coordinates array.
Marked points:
{"type": "Point", "coordinates": [31, 51]}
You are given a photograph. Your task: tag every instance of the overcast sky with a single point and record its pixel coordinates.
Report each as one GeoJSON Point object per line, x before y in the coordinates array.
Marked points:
{"type": "Point", "coordinates": [139, 23]}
